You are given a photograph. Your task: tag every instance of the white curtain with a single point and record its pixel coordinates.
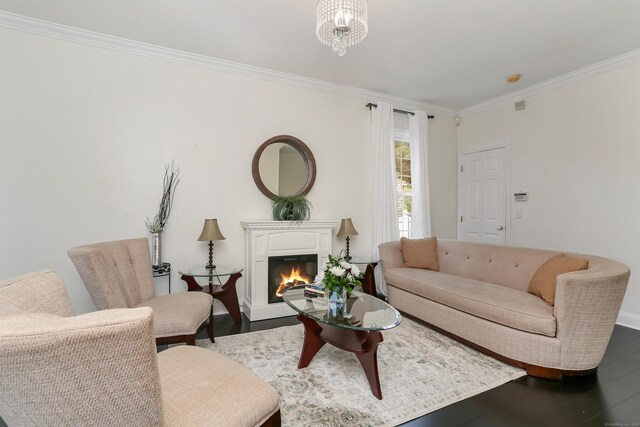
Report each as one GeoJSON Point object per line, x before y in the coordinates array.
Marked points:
{"type": "Point", "coordinates": [384, 218]}
{"type": "Point", "coordinates": [418, 143]}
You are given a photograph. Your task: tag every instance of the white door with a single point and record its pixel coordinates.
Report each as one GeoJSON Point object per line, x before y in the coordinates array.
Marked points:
{"type": "Point", "coordinates": [482, 196]}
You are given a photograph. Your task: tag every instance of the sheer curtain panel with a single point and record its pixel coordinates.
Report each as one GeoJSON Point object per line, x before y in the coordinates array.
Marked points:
{"type": "Point", "coordinates": [384, 209]}
{"type": "Point", "coordinates": [419, 143]}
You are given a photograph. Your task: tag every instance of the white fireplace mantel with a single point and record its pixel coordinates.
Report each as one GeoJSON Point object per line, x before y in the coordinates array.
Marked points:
{"type": "Point", "coordinates": [277, 238]}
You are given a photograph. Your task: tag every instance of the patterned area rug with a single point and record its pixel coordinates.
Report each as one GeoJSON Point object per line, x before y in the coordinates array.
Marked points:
{"type": "Point", "coordinates": [420, 372]}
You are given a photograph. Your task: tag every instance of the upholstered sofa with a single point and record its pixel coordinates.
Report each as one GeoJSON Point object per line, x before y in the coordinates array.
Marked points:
{"type": "Point", "coordinates": [479, 296]}
{"type": "Point", "coordinates": [102, 369]}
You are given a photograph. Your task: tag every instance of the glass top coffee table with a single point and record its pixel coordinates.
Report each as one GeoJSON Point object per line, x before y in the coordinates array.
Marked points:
{"type": "Point", "coordinates": [355, 327]}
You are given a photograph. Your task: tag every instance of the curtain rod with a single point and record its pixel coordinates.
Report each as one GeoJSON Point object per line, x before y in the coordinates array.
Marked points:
{"type": "Point", "coordinates": [372, 105]}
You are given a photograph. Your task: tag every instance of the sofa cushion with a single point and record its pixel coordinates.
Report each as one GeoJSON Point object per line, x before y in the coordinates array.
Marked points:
{"type": "Point", "coordinates": [420, 253]}
{"type": "Point", "coordinates": [223, 386]}
{"type": "Point", "coordinates": [500, 304]}
{"type": "Point", "coordinates": [179, 313]}
{"type": "Point", "coordinates": [543, 282]}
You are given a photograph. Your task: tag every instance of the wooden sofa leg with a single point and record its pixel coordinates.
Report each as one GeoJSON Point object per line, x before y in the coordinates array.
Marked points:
{"type": "Point", "coordinates": [274, 420]}
{"type": "Point", "coordinates": [210, 327]}
{"type": "Point", "coordinates": [191, 339]}
{"type": "Point", "coordinates": [556, 374]}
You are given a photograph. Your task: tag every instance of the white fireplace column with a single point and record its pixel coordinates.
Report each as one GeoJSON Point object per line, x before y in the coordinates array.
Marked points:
{"type": "Point", "coordinates": [278, 238]}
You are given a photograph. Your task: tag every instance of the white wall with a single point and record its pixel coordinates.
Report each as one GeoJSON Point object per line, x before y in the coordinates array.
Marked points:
{"type": "Point", "coordinates": [85, 134]}
{"type": "Point", "coordinates": [443, 177]}
{"type": "Point", "coordinates": [574, 150]}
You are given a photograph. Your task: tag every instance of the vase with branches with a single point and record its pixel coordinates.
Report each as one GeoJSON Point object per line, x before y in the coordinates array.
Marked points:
{"type": "Point", "coordinates": [157, 225]}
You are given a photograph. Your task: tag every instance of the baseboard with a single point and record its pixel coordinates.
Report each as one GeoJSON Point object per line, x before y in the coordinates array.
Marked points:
{"type": "Point", "coordinates": [629, 320]}
{"type": "Point", "coordinates": [219, 308]}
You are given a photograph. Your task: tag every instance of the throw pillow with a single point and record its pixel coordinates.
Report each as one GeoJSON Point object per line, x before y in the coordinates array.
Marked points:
{"type": "Point", "coordinates": [420, 253]}
{"type": "Point", "coordinates": [543, 282]}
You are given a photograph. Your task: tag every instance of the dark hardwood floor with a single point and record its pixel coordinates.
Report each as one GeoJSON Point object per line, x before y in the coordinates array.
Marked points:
{"type": "Point", "coordinates": [609, 398]}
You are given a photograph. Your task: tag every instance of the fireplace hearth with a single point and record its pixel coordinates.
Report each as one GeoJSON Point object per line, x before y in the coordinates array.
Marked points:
{"type": "Point", "coordinates": [289, 271]}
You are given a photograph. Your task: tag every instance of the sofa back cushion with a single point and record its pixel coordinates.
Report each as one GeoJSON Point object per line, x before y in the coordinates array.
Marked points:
{"type": "Point", "coordinates": [420, 253]}
{"type": "Point", "coordinates": [503, 265]}
{"type": "Point", "coordinates": [117, 274]}
{"type": "Point", "coordinates": [97, 369]}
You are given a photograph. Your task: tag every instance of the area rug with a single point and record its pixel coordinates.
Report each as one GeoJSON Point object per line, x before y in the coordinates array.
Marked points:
{"type": "Point", "coordinates": [420, 371]}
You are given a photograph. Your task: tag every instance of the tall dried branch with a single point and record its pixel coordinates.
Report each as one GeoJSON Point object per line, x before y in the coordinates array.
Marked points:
{"type": "Point", "coordinates": [169, 185]}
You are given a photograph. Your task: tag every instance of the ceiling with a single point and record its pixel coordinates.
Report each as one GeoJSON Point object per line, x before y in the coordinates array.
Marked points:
{"type": "Point", "coordinates": [451, 53]}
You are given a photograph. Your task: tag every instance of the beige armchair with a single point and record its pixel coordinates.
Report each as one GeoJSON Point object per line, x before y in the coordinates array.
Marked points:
{"type": "Point", "coordinates": [101, 368]}
{"type": "Point", "coordinates": [119, 275]}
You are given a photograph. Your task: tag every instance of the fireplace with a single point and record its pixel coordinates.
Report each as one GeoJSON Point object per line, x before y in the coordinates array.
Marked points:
{"type": "Point", "coordinates": [289, 271]}
{"type": "Point", "coordinates": [284, 239]}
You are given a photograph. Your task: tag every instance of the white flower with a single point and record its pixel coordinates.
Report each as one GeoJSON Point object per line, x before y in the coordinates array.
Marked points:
{"type": "Point", "coordinates": [350, 277]}
{"type": "Point", "coordinates": [337, 271]}
{"type": "Point", "coordinates": [344, 264]}
{"type": "Point", "coordinates": [355, 270]}
{"type": "Point", "coordinates": [319, 277]}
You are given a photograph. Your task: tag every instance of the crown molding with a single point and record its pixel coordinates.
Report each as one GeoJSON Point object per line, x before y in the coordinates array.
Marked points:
{"type": "Point", "coordinates": [588, 72]}
{"type": "Point", "coordinates": [27, 24]}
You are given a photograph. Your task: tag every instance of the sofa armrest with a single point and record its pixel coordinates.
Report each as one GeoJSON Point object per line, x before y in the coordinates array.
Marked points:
{"type": "Point", "coordinates": [391, 254]}
{"type": "Point", "coordinates": [586, 308]}
{"type": "Point", "coordinates": [95, 369]}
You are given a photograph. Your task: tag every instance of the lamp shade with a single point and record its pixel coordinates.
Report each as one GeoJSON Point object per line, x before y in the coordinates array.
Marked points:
{"type": "Point", "coordinates": [210, 231]}
{"type": "Point", "coordinates": [347, 228]}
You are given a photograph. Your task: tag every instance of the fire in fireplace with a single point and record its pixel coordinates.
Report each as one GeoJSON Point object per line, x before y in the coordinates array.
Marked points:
{"type": "Point", "coordinates": [288, 271]}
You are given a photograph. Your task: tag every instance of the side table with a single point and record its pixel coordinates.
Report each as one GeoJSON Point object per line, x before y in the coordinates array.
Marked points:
{"type": "Point", "coordinates": [369, 279]}
{"type": "Point", "coordinates": [225, 293]}
{"type": "Point", "coordinates": [163, 270]}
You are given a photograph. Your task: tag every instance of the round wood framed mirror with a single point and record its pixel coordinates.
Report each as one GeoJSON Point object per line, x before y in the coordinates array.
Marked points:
{"type": "Point", "coordinates": [283, 166]}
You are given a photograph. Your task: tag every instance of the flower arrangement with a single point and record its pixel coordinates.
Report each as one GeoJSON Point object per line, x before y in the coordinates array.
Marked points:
{"type": "Point", "coordinates": [339, 275]}
{"type": "Point", "coordinates": [168, 189]}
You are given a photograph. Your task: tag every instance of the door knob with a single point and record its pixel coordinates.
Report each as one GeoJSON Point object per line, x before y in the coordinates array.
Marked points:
{"type": "Point", "coordinates": [500, 228]}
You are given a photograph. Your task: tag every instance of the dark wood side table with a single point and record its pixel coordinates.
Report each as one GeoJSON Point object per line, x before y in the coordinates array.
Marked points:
{"type": "Point", "coordinates": [223, 292]}
{"type": "Point", "coordinates": [163, 270]}
{"type": "Point", "coordinates": [368, 279]}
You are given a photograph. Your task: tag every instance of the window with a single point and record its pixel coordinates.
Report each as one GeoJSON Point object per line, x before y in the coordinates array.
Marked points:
{"type": "Point", "coordinates": [403, 186]}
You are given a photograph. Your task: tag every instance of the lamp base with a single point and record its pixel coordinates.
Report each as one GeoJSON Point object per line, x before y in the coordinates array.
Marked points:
{"type": "Point", "coordinates": [347, 257]}
{"type": "Point", "coordinates": [210, 265]}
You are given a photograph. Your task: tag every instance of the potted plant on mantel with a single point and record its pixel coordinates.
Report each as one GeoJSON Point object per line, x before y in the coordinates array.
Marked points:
{"type": "Point", "coordinates": [156, 227]}
{"type": "Point", "coordinates": [291, 208]}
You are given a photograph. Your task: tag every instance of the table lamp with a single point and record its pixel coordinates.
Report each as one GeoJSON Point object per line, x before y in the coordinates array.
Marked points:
{"type": "Point", "coordinates": [210, 232]}
{"type": "Point", "coordinates": [347, 229]}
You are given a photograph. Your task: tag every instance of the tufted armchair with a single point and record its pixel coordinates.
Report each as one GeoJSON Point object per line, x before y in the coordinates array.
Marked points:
{"type": "Point", "coordinates": [102, 369]}
{"type": "Point", "coordinates": [119, 275]}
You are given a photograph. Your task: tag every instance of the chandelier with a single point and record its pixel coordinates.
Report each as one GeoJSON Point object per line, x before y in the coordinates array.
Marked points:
{"type": "Point", "coordinates": [341, 23]}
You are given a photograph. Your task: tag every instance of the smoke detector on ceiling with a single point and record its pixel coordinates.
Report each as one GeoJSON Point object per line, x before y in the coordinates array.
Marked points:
{"type": "Point", "coordinates": [513, 78]}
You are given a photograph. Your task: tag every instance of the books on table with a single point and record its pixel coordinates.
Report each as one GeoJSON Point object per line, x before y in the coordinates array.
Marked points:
{"type": "Point", "coordinates": [314, 290]}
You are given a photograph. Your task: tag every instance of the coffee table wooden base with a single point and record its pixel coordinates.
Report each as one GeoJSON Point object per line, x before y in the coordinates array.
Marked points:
{"type": "Point", "coordinates": [363, 343]}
